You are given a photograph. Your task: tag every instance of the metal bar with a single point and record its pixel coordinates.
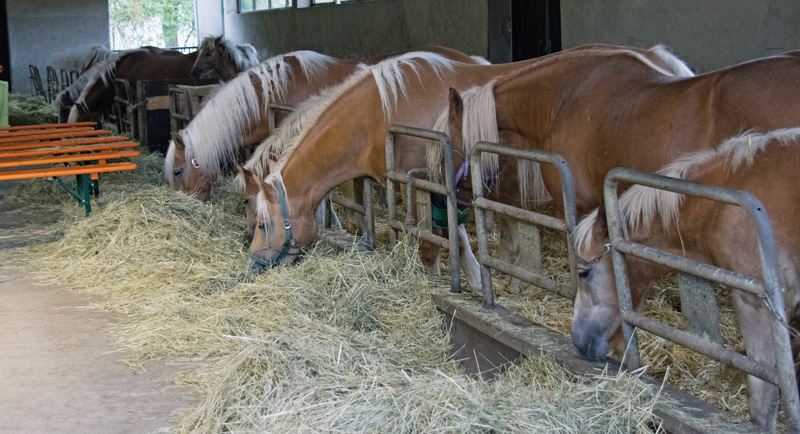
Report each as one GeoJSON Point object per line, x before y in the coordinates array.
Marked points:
{"type": "Point", "coordinates": [709, 272]}
{"type": "Point", "coordinates": [482, 204]}
{"type": "Point", "coordinates": [537, 279]}
{"type": "Point", "coordinates": [521, 214]}
{"type": "Point", "coordinates": [452, 218]}
{"type": "Point", "coordinates": [771, 292]}
{"type": "Point", "coordinates": [703, 346]}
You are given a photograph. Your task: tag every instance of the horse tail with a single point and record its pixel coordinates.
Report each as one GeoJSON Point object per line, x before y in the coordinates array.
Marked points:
{"type": "Point", "coordinates": [677, 66]}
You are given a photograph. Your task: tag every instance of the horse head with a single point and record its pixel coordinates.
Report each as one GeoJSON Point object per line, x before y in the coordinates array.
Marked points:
{"type": "Point", "coordinates": [281, 230]}
{"type": "Point", "coordinates": [64, 103]}
{"type": "Point", "coordinates": [218, 58]}
{"type": "Point", "coordinates": [596, 321]}
{"type": "Point", "coordinates": [186, 174]}
{"type": "Point", "coordinates": [250, 189]}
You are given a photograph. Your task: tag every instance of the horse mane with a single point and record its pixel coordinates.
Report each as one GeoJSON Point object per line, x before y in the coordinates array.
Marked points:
{"type": "Point", "coordinates": [244, 56]}
{"type": "Point", "coordinates": [74, 90]}
{"type": "Point", "coordinates": [640, 205]}
{"type": "Point", "coordinates": [213, 136]}
{"type": "Point", "coordinates": [480, 60]}
{"type": "Point", "coordinates": [390, 78]}
{"type": "Point", "coordinates": [97, 54]}
{"type": "Point", "coordinates": [275, 145]}
{"type": "Point", "coordinates": [678, 67]}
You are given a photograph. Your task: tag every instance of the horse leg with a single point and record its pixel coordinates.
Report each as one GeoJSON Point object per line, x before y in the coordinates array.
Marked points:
{"type": "Point", "coordinates": [468, 262]}
{"type": "Point", "coordinates": [763, 399]}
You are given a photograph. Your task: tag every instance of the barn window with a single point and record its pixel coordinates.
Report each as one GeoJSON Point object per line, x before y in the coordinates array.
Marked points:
{"type": "Point", "coordinates": [263, 5]}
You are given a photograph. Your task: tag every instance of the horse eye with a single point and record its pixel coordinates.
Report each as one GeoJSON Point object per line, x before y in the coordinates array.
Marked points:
{"type": "Point", "coordinates": [584, 274]}
{"type": "Point", "coordinates": [178, 172]}
{"type": "Point", "coordinates": [246, 201]}
{"type": "Point", "coordinates": [262, 226]}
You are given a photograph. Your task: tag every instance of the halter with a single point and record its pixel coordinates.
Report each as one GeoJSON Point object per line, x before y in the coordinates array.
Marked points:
{"type": "Point", "coordinates": [202, 180]}
{"type": "Point", "coordinates": [290, 242]}
{"type": "Point", "coordinates": [606, 247]}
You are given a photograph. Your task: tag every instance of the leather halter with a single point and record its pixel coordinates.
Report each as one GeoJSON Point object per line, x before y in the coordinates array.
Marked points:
{"type": "Point", "coordinates": [203, 180]}
{"type": "Point", "coordinates": [606, 247]}
{"type": "Point", "coordinates": [289, 243]}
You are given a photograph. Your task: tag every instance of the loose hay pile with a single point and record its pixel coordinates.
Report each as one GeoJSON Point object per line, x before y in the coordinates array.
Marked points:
{"type": "Point", "coordinates": [341, 342]}
{"type": "Point", "coordinates": [30, 110]}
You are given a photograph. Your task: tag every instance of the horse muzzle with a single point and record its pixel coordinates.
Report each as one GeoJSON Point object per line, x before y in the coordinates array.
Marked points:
{"type": "Point", "coordinates": [259, 264]}
{"type": "Point", "coordinates": [591, 342]}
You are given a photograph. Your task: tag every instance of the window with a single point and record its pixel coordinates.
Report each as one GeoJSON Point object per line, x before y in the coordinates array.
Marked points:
{"type": "Point", "coordinates": [262, 5]}
{"type": "Point", "coordinates": [322, 2]}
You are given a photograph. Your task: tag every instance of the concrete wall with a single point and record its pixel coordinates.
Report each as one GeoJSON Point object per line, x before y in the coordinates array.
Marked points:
{"type": "Point", "coordinates": [56, 33]}
{"type": "Point", "coordinates": [707, 34]}
{"type": "Point", "coordinates": [359, 29]}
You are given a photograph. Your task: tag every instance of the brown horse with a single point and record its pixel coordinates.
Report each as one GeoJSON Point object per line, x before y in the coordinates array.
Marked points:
{"type": "Point", "coordinates": [236, 115]}
{"type": "Point", "coordinates": [146, 63]}
{"type": "Point", "coordinates": [764, 165]}
{"type": "Point", "coordinates": [65, 100]}
{"type": "Point", "coordinates": [223, 59]}
{"type": "Point", "coordinates": [625, 113]}
{"type": "Point", "coordinates": [410, 90]}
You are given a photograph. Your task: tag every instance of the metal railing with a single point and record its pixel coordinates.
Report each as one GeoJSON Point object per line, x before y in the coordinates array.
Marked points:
{"type": "Point", "coordinates": [481, 204]}
{"type": "Point", "coordinates": [124, 108]}
{"type": "Point", "coordinates": [448, 190]}
{"type": "Point", "coordinates": [768, 289]}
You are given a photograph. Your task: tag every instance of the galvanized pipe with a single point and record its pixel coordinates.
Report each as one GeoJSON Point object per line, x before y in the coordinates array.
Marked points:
{"type": "Point", "coordinates": [771, 290]}
{"type": "Point", "coordinates": [482, 204]}
{"type": "Point", "coordinates": [393, 176]}
{"type": "Point", "coordinates": [537, 279]}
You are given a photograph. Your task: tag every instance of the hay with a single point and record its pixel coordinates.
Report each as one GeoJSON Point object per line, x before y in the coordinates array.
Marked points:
{"type": "Point", "coordinates": [30, 110]}
{"type": "Point", "coordinates": [345, 342]}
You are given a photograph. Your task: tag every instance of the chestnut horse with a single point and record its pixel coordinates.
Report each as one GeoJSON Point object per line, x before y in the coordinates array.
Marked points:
{"type": "Point", "coordinates": [410, 90]}
{"type": "Point", "coordinates": [221, 58]}
{"type": "Point", "coordinates": [146, 63]}
{"type": "Point", "coordinates": [236, 115]}
{"type": "Point", "coordinates": [641, 122]}
{"type": "Point", "coordinates": [764, 165]}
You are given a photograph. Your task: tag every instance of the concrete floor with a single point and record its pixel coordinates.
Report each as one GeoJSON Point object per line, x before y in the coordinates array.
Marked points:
{"type": "Point", "coordinates": [59, 371]}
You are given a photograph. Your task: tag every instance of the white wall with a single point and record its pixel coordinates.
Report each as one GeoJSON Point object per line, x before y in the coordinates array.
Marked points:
{"type": "Point", "coordinates": [56, 33]}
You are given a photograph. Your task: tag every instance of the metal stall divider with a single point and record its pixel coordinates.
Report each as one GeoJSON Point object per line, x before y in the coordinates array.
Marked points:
{"type": "Point", "coordinates": [769, 288]}
{"type": "Point", "coordinates": [448, 190]}
{"type": "Point", "coordinates": [481, 204]}
{"type": "Point", "coordinates": [366, 210]}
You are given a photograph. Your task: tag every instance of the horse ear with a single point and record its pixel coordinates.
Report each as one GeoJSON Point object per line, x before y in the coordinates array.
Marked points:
{"type": "Point", "coordinates": [178, 140]}
{"type": "Point", "coordinates": [267, 190]}
{"type": "Point", "coordinates": [217, 40]}
{"type": "Point", "coordinates": [456, 115]}
{"type": "Point", "coordinates": [601, 228]}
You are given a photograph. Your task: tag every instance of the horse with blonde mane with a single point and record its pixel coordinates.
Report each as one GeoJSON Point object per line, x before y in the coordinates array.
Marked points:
{"type": "Point", "coordinates": [236, 115]}
{"type": "Point", "coordinates": [627, 114]}
{"type": "Point", "coordinates": [146, 63]}
{"type": "Point", "coordinates": [410, 90]}
{"type": "Point", "coordinates": [223, 59]}
{"type": "Point", "coordinates": [764, 165]}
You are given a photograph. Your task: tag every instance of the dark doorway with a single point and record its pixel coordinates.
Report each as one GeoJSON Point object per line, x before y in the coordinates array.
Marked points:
{"type": "Point", "coordinates": [5, 58]}
{"type": "Point", "coordinates": [535, 28]}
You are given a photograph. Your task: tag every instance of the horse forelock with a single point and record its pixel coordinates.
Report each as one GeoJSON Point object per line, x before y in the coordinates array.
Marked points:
{"type": "Point", "coordinates": [169, 164]}
{"type": "Point", "coordinates": [584, 232]}
{"type": "Point", "coordinates": [213, 136]}
{"type": "Point", "coordinates": [262, 206]}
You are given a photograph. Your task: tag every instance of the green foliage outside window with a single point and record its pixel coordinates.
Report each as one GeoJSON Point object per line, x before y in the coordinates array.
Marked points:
{"type": "Point", "coordinates": [161, 23]}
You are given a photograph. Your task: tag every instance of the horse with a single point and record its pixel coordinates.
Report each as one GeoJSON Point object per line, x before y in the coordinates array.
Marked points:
{"type": "Point", "coordinates": [520, 184]}
{"type": "Point", "coordinates": [763, 164]}
{"type": "Point", "coordinates": [67, 97]}
{"type": "Point", "coordinates": [97, 54]}
{"type": "Point", "coordinates": [236, 114]}
{"type": "Point", "coordinates": [146, 63]}
{"type": "Point", "coordinates": [626, 113]}
{"type": "Point", "coordinates": [410, 90]}
{"type": "Point", "coordinates": [221, 58]}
